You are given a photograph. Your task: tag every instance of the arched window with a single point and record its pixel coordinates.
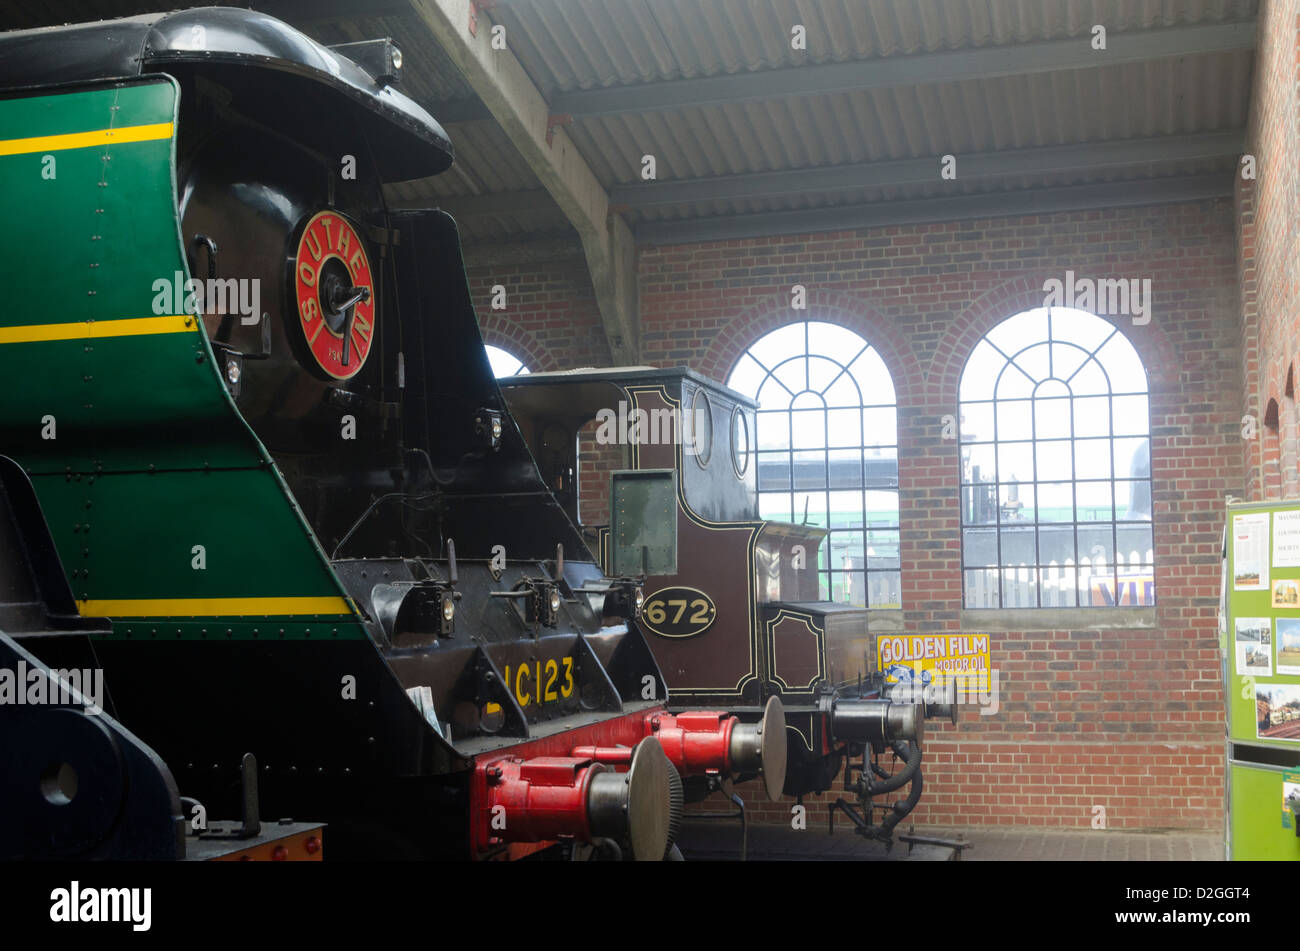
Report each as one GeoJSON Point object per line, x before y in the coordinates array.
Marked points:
{"type": "Point", "coordinates": [504, 363]}
{"type": "Point", "coordinates": [827, 455]}
{"type": "Point", "coordinates": [1055, 466]}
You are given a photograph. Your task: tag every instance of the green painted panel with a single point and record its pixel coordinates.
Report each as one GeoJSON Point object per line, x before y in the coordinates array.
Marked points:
{"type": "Point", "coordinates": [1256, 818]}
{"type": "Point", "coordinates": [151, 457]}
{"type": "Point", "coordinates": [96, 400]}
{"type": "Point", "coordinates": [144, 526]}
{"type": "Point", "coordinates": [82, 110]}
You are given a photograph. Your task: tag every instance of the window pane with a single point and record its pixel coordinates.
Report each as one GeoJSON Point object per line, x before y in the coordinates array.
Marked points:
{"type": "Point", "coordinates": [845, 468]}
{"type": "Point", "coordinates": [885, 590]}
{"type": "Point", "coordinates": [810, 508]}
{"type": "Point", "coordinates": [1133, 500]}
{"type": "Point", "coordinates": [1056, 587]}
{"type": "Point", "coordinates": [773, 470]}
{"type": "Point", "coordinates": [882, 550]}
{"type": "Point", "coordinates": [504, 363]}
{"type": "Point", "coordinates": [1055, 501]}
{"type": "Point", "coordinates": [979, 546]}
{"type": "Point", "coordinates": [1019, 546]}
{"type": "Point", "coordinates": [981, 588]}
{"type": "Point", "coordinates": [773, 430]}
{"type": "Point", "coordinates": [773, 395]}
{"type": "Point", "coordinates": [1090, 380]}
{"type": "Point", "coordinates": [980, 374]}
{"type": "Point", "coordinates": [979, 463]}
{"type": "Point", "coordinates": [1095, 502]}
{"type": "Point", "coordinates": [1019, 589]}
{"type": "Point", "coordinates": [880, 427]}
{"type": "Point", "coordinates": [1015, 383]}
{"type": "Point", "coordinates": [1131, 457]}
{"type": "Point", "coordinates": [1132, 415]}
{"type": "Point", "coordinates": [1123, 365]}
{"type": "Point", "coordinates": [846, 509]}
{"type": "Point", "coordinates": [1135, 539]}
{"type": "Point", "coordinates": [1097, 542]}
{"type": "Point", "coordinates": [809, 429]}
{"type": "Point", "coordinates": [976, 422]}
{"type": "Point", "coordinates": [1033, 361]}
{"type": "Point", "coordinates": [1053, 459]}
{"type": "Point", "coordinates": [1092, 459]}
{"type": "Point", "coordinates": [778, 345]}
{"type": "Point", "coordinates": [882, 508]}
{"type": "Point", "coordinates": [774, 506]}
{"type": "Point", "coordinates": [1016, 501]}
{"type": "Point", "coordinates": [847, 549]}
{"type": "Point", "coordinates": [1066, 358]}
{"type": "Point", "coordinates": [1091, 416]}
{"type": "Point", "coordinates": [1016, 461]}
{"type": "Point", "coordinates": [1015, 419]}
{"type": "Point", "coordinates": [1051, 417]}
{"type": "Point", "coordinates": [845, 427]}
{"type": "Point", "coordinates": [810, 470]}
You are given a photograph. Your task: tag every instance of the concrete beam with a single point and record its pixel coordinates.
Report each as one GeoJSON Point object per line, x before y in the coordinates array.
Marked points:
{"type": "Point", "coordinates": [1122, 153]}
{"type": "Point", "coordinates": [524, 252]}
{"type": "Point", "coordinates": [500, 81]}
{"type": "Point", "coordinates": [1018, 59]}
{"type": "Point", "coordinates": [531, 202]}
{"type": "Point", "coordinates": [1029, 201]}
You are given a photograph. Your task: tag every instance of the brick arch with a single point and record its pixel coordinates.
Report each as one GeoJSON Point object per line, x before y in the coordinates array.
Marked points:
{"type": "Point", "coordinates": [1026, 293]}
{"type": "Point", "coordinates": [504, 333]}
{"type": "Point", "coordinates": [1271, 446]}
{"type": "Point", "coordinates": [844, 310]}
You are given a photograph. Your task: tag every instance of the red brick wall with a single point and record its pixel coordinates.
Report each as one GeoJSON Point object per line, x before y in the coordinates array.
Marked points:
{"type": "Point", "coordinates": [1127, 719]}
{"type": "Point", "coordinates": [1269, 271]}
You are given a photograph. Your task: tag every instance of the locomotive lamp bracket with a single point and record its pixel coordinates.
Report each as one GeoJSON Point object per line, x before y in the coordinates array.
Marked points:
{"type": "Point", "coordinates": [487, 429]}
{"type": "Point", "coordinates": [624, 598]}
{"type": "Point", "coordinates": [540, 599]}
{"type": "Point", "coordinates": [382, 59]}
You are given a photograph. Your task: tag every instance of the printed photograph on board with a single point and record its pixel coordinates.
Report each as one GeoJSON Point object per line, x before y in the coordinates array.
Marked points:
{"type": "Point", "coordinates": [1288, 646]}
{"type": "Point", "coordinates": [1286, 593]}
{"type": "Point", "coordinates": [1277, 712]}
{"type": "Point", "coordinates": [1254, 646]}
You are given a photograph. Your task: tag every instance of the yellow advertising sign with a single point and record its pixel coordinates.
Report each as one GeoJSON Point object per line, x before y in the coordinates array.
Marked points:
{"type": "Point", "coordinates": [935, 658]}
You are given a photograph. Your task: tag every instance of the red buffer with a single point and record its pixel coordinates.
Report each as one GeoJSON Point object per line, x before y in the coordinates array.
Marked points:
{"type": "Point", "coordinates": [710, 741]}
{"type": "Point", "coordinates": [549, 798]}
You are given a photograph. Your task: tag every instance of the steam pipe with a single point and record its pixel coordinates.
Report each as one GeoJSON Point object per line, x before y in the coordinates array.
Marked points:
{"type": "Point", "coordinates": [910, 753]}
{"type": "Point", "coordinates": [902, 808]}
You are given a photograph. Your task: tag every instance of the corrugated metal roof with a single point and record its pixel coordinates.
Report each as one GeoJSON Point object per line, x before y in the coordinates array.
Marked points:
{"type": "Point", "coordinates": [569, 45]}
{"type": "Point", "coordinates": [585, 44]}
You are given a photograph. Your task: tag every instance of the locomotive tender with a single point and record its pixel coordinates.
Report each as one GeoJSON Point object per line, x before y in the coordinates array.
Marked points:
{"type": "Point", "coordinates": [253, 404]}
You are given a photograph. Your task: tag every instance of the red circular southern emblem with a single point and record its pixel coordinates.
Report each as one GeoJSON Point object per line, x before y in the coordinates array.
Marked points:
{"type": "Point", "coordinates": [335, 292]}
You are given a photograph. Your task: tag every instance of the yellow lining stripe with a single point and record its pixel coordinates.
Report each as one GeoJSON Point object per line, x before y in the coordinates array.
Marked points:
{"type": "Point", "coordinates": [214, 607]}
{"type": "Point", "coordinates": [98, 329]}
{"type": "Point", "coordinates": [82, 140]}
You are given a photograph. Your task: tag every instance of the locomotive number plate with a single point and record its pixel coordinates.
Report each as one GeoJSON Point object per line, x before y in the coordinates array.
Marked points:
{"type": "Point", "coordinates": [330, 268]}
{"type": "Point", "coordinates": [678, 612]}
{"type": "Point", "coordinates": [540, 682]}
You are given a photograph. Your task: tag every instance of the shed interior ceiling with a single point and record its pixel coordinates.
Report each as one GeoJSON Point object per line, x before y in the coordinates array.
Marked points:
{"type": "Point", "coordinates": [650, 52]}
